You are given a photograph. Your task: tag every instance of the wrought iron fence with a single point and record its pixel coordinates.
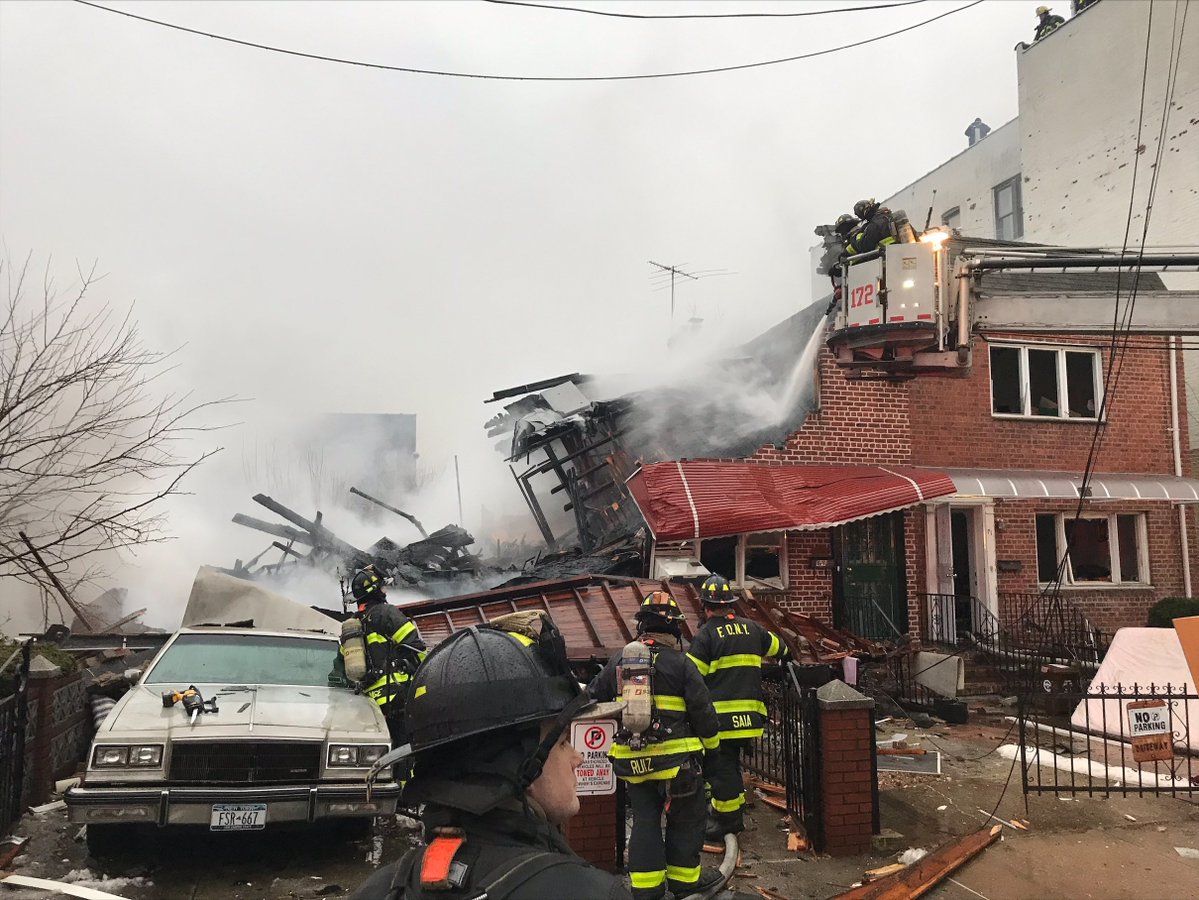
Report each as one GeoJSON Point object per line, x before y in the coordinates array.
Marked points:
{"type": "Point", "coordinates": [1031, 629]}
{"type": "Point", "coordinates": [788, 752]}
{"type": "Point", "coordinates": [13, 724]}
{"type": "Point", "coordinates": [1110, 739]}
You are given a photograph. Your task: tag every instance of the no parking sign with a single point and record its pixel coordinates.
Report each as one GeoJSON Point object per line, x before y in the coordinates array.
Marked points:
{"type": "Point", "coordinates": [593, 740]}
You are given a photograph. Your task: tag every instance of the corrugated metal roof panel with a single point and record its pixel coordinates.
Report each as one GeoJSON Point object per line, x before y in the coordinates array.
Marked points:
{"type": "Point", "coordinates": [594, 613]}
{"type": "Point", "coordinates": [697, 499]}
{"type": "Point", "coordinates": [1022, 484]}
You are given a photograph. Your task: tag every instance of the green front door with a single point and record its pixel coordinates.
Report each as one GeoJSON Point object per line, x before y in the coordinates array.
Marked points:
{"type": "Point", "coordinates": [869, 589]}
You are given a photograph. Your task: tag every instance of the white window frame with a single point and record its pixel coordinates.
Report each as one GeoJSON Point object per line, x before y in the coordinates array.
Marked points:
{"type": "Point", "coordinates": [1017, 213]}
{"type": "Point", "coordinates": [1113, 548]}
{"type": "Point", "coordinates": [1063, 387]}
{"type": "Point", "coordinates": [742, 545]}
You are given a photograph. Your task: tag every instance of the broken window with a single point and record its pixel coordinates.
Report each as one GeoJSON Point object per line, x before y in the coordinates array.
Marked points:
{"type": "Point", "coordinates": [765, 561]}
{"type": "Point", "coordinates": [1009, 213]}
{"type": "Point", "coordinates": [1006, 396]}
{"type": "Point", "coordinates": [1080, 384]}
{"type": "Point", "coordinates": [719, 556]}
{"type": "Point", "coordinates": [1044, 382]}
{"type": "Point", "coordinates": [755, 561]}
{"type": "Point", "coordinates": [1102, 549]}
{"type": "Point", "coordinates": [1047, 552]}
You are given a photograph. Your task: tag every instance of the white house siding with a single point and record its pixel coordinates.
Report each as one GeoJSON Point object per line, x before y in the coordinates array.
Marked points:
{"type": "Point", "coordinates": [1080, 91]}
{"type": "Point", "coordinates": [965, 181]}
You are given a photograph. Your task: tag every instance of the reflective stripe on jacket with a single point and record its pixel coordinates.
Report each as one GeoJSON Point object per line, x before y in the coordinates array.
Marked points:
{"type": "Point", "coordinates": [728, 652]}
{"type": "Point", "coordinates": [683, 712]}
{"type": "Point", "coordinates": [393, 651]}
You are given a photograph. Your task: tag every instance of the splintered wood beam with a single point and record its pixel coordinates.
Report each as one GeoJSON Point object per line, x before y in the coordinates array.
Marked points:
{"type": "Point", "coordinates": [923, 875]}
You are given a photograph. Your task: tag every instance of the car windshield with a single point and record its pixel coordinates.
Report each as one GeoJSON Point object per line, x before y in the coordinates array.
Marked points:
{"type": "Point", "coordinates": [246, 659]}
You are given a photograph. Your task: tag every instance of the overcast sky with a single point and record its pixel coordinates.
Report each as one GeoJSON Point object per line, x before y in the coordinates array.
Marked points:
{"type": "Point", "coordinates": [325, 237]}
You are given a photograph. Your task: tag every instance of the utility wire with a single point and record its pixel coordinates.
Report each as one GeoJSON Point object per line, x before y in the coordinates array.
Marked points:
{"type": "Point", "coordinates": [1121, 324]}
{"type": "Point", "coordinates": [491, 77]}
{"type": "Point", "coordinates": [753, 15]}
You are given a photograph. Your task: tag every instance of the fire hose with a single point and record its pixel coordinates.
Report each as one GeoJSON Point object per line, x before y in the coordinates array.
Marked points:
{"type": "Point", "coordinates": [727, 865]}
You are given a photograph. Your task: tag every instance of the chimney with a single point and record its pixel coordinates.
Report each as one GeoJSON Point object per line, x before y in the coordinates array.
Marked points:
{"type": "Point", "coordinates": [977, 131]}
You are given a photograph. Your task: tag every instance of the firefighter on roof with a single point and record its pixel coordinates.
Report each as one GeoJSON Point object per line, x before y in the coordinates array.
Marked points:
{"type": "Point", "coordinates": [490, 718]}
{"type": "Point", "coordinates": [1046, 22]}
{"type": "Point", "coordinates": [668, 722]}
{"type": "Point", "coordinates": [393, 649]}
{"type": "Point", "coordinates": [728, 651]}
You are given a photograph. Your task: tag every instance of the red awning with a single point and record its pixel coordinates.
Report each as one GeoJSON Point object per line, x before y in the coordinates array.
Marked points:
{"type": "Point", "coordinates": [696, 499]}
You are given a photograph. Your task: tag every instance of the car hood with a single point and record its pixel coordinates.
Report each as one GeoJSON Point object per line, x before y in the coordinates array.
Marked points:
{"type": "Point", "coordinates": [245, 710]}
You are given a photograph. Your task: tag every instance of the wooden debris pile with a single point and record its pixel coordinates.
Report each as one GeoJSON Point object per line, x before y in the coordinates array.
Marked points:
{"type": "Point", "coordinates": [440, 556]}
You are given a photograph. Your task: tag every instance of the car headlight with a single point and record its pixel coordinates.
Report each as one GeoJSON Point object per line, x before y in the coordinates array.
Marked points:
{"type": "Point", "coordinates": [355, 755]}
{"type": "Point", "coordinates": [120, 756]}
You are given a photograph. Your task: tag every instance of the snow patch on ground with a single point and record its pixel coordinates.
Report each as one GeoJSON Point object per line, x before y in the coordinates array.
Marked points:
{"type": "Point", "coordinates": [112, 884]}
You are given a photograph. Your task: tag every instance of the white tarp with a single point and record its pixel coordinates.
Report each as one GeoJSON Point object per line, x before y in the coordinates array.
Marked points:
{"type": "Point", "coordinates": [1140, 656]}
{"type": "Point", "coordinates": [220, 599]}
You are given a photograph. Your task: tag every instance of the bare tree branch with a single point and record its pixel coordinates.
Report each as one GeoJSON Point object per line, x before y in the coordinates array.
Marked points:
{"type": "Point", "coordinates": [90, 445]}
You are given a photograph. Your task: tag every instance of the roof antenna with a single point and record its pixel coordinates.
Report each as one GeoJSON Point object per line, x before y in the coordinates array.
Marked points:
{"type": "Point", "coordinates": [928, 220]}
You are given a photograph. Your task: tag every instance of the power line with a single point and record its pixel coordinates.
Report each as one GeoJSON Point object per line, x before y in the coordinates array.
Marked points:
{"type": "Point", "coordinates": [491, 77]}
{"type": "Point", "coordinates": [753, 15]}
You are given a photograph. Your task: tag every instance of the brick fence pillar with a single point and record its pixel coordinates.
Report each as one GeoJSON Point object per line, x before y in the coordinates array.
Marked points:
{"type": "Point", "coordinates": [59, 728]}
{"type": "Point", "coordinates": [846, 769]}
{"type": "Point", "coordinates": [592, 833]}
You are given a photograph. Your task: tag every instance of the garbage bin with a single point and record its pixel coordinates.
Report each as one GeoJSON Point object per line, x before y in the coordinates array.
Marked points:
{"type": "Point", "coordinates": [1059, 689]}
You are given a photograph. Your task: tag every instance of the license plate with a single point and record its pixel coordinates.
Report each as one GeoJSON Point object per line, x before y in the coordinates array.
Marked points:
{"type": "Point", "coordinates": [238, 817]}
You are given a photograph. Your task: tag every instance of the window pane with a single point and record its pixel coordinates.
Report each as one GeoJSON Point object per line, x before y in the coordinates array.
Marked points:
{"type": "Point", "coordinates": [1042, 382]}
{"type": "Point", "coordinates": [952, 218]}
{"type": "Point", "coordinates": [1047, 552]}
{"type": "Point", "coordinates": [1003, 201]}
{"type": "Point", "coordinates": [1080, 384]}
{"type": "Point", "coordinates": [1090, 552]}
{"type": "Point", "coordinates": [1005, 380]}
{"type": "Point", "coordinates": [1130, 559]}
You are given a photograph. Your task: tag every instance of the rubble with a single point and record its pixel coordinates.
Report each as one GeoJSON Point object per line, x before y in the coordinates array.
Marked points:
{"type": "Point", "coordinates": [926, 871]}
{"type": "Point", "coordinates": [440, 556]}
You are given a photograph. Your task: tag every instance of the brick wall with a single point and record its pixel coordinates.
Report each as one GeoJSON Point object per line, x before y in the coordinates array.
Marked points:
{"type": "Point", "coordinates": [952, 423]}
{"type": "Point", "coordinates": [947, 422]}
{"type": "Point", "coordinates": [810, 591]}
{"type": "Point", "coordinates": [1107, 608]}
{"type": "Point", "coordinates": [846, 780]}
{"type": "Point", "coordinates": [859, 422]}
{"type": "Point", "coordinates": [592, 833]}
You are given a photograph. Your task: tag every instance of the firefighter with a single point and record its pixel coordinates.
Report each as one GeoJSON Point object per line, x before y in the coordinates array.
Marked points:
{"type": "Point", "coordinates": [658, 752]}
{"type": "Point", "coordinates": [876, 228]}
{"type": "Point", "coordinates": [1046, 23]}
{"type": "Point", "coordinates": [393, 649]}
{"type": "Point", "coordinates": [728, 651]}
{"type": "Point", "coordinates": [844, 228]}
{"type": "Point", "coordinates": [489, 720]}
